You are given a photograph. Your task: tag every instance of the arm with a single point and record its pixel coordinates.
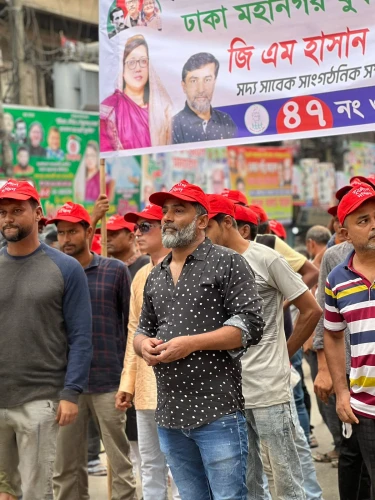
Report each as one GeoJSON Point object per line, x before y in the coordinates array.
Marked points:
{"type": "Point", "coordinates": [310, 313]}
{"type": "Point", "coordinates": [323, 385]}
{"type": "Point", "coordinates": [78, 323]}
{"type": "Point", "coordinates": [101, 207]}
{"type": "Point", "coordinates": [126, 389]}
{"type": "Point", "coordinates": [335, 354]}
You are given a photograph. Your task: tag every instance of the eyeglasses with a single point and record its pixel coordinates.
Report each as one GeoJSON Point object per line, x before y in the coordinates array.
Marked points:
{"type": "Point", "coordinates": [145, 227]}
{"type": "Point", "coordinates": [132, 64]}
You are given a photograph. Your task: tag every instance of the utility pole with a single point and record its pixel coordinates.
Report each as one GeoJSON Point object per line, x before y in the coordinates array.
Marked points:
{"type": "Point", "coordinates": [18, 39]}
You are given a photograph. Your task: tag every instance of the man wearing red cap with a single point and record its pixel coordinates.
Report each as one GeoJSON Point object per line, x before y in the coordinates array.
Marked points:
{"type": "Point", "coordinates": [121, 244]}
{"type": "Point", "coordinates": [266, 366]}
{"type": "Point", "coordinates": [350, 295]}
{"type": "Point", "coordinates": [109, 285]}
{"type": "Point", "coordinates": [45, 343]}
{"type": "Point", "coordinates": [236, 196]}
{"type": "Point", "coordinates": [201, 311]}
{"type": "Point", "coordinates": [138, 380]}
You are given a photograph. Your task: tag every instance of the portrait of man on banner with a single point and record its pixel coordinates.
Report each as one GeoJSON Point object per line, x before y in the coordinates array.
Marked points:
{"type": "Point", "coordinates": [124, 14]}
{"type": "Point", "coordinates": [199, 121]}
{"type": "Point", "coordinates": [139, 112]}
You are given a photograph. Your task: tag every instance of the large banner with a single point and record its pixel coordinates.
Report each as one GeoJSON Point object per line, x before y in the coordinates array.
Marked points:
{"type": "Point", "coordinates": [265, 176]}
{"type": "Point", "coordinates": [182, 74]}
{"type": "Point", "coordinates": [58, 151]}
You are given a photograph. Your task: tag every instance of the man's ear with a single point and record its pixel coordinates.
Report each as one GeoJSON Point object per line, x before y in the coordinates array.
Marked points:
{"type": "Point", "coordinates": [345, 234]}
{"type": "Point", "coordinates": [39, 213]}
{"type": "Point", "coordinates": [183, 85]}
{"type": "Point", "coordinates": [89, 232]}
{"type": "Point", "coordinates": [202, 221]}
{"type": "Point", "coordinates": [245, 232]}
{"type": "Point", "coordinates": [132, 237]}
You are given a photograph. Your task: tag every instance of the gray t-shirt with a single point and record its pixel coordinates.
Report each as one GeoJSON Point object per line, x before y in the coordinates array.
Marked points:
{"type": "Point", "coordinates": [332, 258]}
{"type": "Point", "coordinates": [45, 327]}
{"type": "Point", "coordinates": [266, 366]}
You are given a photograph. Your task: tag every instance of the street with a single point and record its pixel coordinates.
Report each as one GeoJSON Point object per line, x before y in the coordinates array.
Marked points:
{"type": "Point", "coordinates": [326, 474]}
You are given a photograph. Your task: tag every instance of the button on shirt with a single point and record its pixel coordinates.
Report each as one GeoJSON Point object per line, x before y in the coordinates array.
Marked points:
{"type": "Point", "coordinates": [109, 285]}
{"type": "Point", "coordinates": [216, 288]}
{"type": "Point", "coordinates": [188, 127]}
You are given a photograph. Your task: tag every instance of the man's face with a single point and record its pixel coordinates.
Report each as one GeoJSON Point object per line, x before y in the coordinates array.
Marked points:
{"type": "Point", "coordinates": [54, 141]}
{"type": "Point", "coordinates": [35, 135]}
{"type": "Point", "coordinates": [118, 20]}
{"type": "Point", "coordinates": [359, 227]}
{"type": "Point", "coordinates": [310, 247]}
{"type": "Point", "coordinates": [8, 122]}
{"type": "Point", "coordinates": [23, 158]}
{"type": "Point", "coordinates": [217, 181]}
{"type": "Point", "coordinates": [199, 86]}
{"type": "Point", "coordinates": [21, 130]}
{"type": "Point", "coordinates": [215, 232]}
{"type": "Point", "coordinates": [150, 241]}
{"type": "Point", "coordinates": [132, 6]}
{"type": "Point", "coordinates": [179, 224]}
{"type": "Point", "coordinates": [73, 239]}
{"type": "Point", "coordinates": [18, 219]}
{"type": "Point", "coordinates": [119, 242]}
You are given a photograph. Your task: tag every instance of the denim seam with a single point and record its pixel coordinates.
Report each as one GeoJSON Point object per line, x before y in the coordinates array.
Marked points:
{"type": "Point", "coordinates": [243, 491]}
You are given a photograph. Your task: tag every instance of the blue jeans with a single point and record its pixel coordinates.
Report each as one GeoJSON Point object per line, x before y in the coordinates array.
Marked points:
{"type": "Point", "coordinates": [274, 427]}
{"type": "Point", "coordinates": [208, 462]}
{"type": "Point", "coordinates": [299, 396]}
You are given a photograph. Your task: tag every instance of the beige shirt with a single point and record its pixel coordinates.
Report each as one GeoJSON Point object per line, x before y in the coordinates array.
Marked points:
{"type": "Point", "coordinates": [137, 378]}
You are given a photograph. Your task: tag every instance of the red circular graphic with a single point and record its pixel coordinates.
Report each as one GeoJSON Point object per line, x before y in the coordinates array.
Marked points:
{"type": "Point", "coordinates": [303, 113]}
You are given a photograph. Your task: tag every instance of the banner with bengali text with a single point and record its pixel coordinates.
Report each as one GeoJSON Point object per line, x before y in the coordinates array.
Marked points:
{"type": "Point", "coordinates": [186, 74]}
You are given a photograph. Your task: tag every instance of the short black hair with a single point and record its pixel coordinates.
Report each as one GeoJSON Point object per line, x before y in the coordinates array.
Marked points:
{"type": "Point", "coordinates": [84, 224]}
{"type": "Point", "coordinates": [23, 148]}
{"type": "Point", "coordinates": [253, 228]}
{"type": "Point", "coordinates": [220, 217]}
{"type": "Point", "coordinates": [34, 204]}
{"type": "Point", "coordinates": [19, 120]}
{"type": "Point", "coordinates": [113, 11]}
{"type": "Point", "coordinates": [197, 61]}
{"type": "Point", "coordinates": [263, 227]}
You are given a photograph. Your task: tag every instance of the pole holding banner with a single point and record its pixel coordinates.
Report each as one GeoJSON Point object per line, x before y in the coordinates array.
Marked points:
{"type": "Point", "coordinates": [104, 220]}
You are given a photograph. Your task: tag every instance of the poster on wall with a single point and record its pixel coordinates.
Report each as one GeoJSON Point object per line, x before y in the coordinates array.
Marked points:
{"type": "Point", "coordinates": [58, 151]}
{"type": "Point", "coordinates": [185, 74]}
{"type": "Point", "coordinates": [359, 159]}
{"type": "Point", "coordinates": [264, 175]}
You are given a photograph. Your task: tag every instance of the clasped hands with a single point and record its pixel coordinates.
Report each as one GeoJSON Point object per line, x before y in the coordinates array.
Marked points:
{"type": "Point", "coordinates": [155, 351]}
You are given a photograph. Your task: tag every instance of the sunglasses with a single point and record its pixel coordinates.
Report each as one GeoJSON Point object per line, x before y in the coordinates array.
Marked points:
{"type": "Point", "coordinates": [144, 227]}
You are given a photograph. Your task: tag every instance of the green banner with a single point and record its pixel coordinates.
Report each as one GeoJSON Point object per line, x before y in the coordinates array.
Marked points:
{"type": "Point", "coordinates": [58, 151]}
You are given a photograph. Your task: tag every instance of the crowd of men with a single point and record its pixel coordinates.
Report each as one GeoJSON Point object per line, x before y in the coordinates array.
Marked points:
{"type": "Point", "coordinates": [195, 320]}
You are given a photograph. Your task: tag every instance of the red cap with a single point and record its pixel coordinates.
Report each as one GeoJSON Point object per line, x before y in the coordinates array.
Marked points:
{"type": "Point", "coordinates": [333, 210]}
{"type": "Point", "coordinates": [117, 222]}
{"type": "Point", "coordinates": [245, 214]}
{"type": "Point", "coordinates": [278, 229]}
{"type": "Point", "coordinates": [151, 212]}
{"type": "Point", "coordinates": [96, 245]}
{"type": "Point", "coordinates": [263, 217]}
{"type": "Point", "coordinates": [235, 196]}
{"type": "Point", "coordinates": [354, 199]}
{"type": "Point", "coordinates": [18, 190]}
{"type": "Point", "coordinates": [182, 191]}
{"type": "Point", "coordinates": [355, 181]}
{"type": "Point", "coordinates": [71, 212]}
{"type": "Point", "coordinates": [220, 205]}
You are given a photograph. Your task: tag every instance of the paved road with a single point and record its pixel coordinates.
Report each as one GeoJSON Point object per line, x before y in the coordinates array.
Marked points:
{"type": "Point", "coordinates": [326, 474]}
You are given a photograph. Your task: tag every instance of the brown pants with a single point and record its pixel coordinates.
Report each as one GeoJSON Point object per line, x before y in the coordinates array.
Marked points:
{"type": "Point", "coordinates": [70, 478]}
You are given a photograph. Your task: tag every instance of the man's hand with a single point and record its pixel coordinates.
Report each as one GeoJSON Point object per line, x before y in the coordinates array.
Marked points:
{"type": "Point", "coordinates": [66, 413]}
{"type": "Point", "coordinates": [149, 352]}
{"type": "Point", "coordinates": [323, 385]}
{"type": "Point", "coordinates": [344, 410]}
{"type": "Point", "coordinates": [177, 348]}
{"type": "Point", "coordinates": [100, 208]}
{"type": "Point", "coordinates": [308, 345]}
{"type": "Point", "coordinates": [123, 400]}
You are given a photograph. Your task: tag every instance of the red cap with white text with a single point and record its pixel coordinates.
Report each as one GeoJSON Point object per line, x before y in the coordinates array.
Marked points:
{"type": "Point", "coordinates": [182, 191]}
{"type": "Point", "coordinates": [358, 195]}
{"type": "Point", "coordinates": [18, 190]}
{"type": "Point", "coordinates": [71, 212]}
{"type": "Point", "coordinates": [151, 212]}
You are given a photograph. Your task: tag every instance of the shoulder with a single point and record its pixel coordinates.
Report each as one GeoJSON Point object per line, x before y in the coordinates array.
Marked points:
{"type": "Point", "coordinates": [108, 263]}
{"type": "Point", "coordinates": [69, 267]}
{"type": "Point", "coordinates": [338, 274]}
{"type": "Point", "coordinates": [176, 119]}
{"type": "Point", "coordinates": [263, 252]}
{"type": "Point", "coordinates": [108, 105]}
{"type": "Point", "coordinates": [338, 253]}
{"type": "Point", "coordinates": [224, 117]}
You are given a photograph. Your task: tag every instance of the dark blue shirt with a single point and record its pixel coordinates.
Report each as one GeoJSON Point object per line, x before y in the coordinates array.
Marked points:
{"type": "Point", "coordinates": [109, 285]}
{"type": "Point", "coordinates": [188, 127]}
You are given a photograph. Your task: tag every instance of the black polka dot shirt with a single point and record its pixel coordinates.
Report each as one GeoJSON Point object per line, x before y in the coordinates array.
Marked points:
{"type": "Point", "coordinates": [216, 288]}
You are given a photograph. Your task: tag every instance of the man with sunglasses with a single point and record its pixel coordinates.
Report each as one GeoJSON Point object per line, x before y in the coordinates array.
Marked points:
{"type": "Point", "coordinates": [138, 379]}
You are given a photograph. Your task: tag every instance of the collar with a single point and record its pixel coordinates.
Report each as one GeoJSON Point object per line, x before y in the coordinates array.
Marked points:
{"type": "Point", "coordinates": [193, 115]}
{"type": "Point", "coordinates": [200, 253]}
{"type": "Point", "coordinates": [94, 262]}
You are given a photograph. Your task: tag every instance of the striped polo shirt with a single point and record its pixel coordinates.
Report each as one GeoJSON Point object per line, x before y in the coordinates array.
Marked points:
{"type": "Point", "coordinates": [350, 301]}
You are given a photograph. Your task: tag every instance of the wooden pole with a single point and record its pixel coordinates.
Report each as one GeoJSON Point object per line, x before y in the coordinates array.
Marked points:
{"type": "Point", "coordinates": [103, 232]}
{"type": "Point", "coordinates": [103, 229]}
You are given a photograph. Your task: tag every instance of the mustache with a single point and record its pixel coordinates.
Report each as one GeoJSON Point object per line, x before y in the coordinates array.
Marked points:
{"type": "Point", "coordinates": [10, 227]}
{"type": "Point", "coordinates": [169, 226]}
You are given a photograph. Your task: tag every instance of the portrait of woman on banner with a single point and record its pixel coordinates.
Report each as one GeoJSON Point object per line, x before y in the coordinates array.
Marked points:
{"type": "Point", "coordinates": [150, 15]}
{"type": "Point", "coordinates": [139, 112]}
